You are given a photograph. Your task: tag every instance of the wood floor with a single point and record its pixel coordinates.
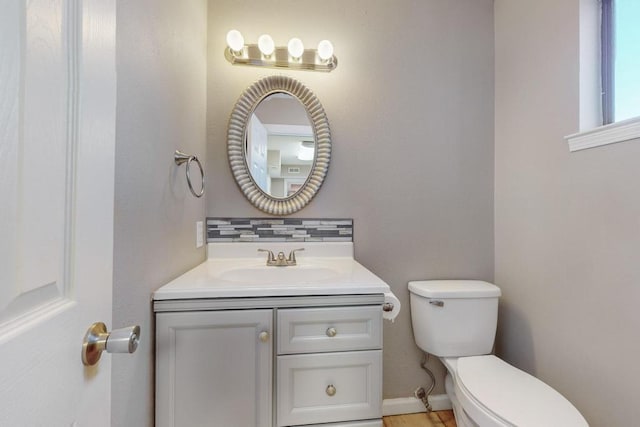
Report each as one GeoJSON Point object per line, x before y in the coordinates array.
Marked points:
{"type": "Point", "coordinates": [433, 419]}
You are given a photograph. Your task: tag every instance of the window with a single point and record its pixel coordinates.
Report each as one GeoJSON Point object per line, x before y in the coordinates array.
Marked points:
{"type": "Point", "coordinates": [620, 60]}
{"type": "Point", "coordinates": [609, 73]}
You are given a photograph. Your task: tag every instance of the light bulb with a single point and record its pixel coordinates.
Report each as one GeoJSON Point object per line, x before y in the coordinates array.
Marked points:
{"type": "Point", "coordinates": [296, 48]}
{"type": "Point", "coordinates": [235, 40]}
{"type": "Point", "coordinates": [325, 50]}
{"type": "Point", "coordinates": [265, 44]}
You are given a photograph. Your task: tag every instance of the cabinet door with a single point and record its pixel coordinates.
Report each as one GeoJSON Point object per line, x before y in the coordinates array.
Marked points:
{"type": "Point", "coordinates": [213, 368]}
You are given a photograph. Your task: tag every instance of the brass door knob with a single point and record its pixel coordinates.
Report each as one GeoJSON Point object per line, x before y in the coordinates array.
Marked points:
{"type": "Point", "coordinates": [332, 332]}
{"type": "Point", "coordinates": [264, 336]}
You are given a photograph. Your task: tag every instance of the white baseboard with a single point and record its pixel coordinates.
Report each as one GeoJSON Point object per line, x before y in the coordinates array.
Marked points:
{"type": "Point", "coordinates": [410, 405]}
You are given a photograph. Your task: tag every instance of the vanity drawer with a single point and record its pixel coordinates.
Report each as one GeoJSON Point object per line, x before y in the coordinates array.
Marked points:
{"type": "Point", "coordinates": [329, 387]}
{"type": "Point", "coordinates": [312, 330]}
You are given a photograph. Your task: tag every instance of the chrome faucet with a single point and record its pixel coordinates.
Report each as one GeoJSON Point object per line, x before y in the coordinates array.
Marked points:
{"type": "Point", "coordinates": [280, 260]}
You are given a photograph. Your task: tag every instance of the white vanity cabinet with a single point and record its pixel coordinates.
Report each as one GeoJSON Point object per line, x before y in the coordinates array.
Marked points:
{"type": "Point", "coordinates": [280, 362]}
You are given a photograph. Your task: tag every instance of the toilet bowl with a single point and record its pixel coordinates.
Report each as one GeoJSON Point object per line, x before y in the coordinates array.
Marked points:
{"type": "Point", "coordinates": [456, 320]}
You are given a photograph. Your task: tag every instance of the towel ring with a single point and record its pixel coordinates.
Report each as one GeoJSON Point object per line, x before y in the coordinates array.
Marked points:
{"type": "Point", "coordinates": [181, 158]}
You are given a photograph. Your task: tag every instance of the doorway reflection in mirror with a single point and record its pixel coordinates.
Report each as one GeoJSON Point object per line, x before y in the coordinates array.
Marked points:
{"type": "Point", "coordinates": [280, 145]}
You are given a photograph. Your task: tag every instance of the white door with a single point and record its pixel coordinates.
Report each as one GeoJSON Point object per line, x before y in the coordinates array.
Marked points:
{"type": "Point", "coordinates": [257, 153]}
{"type": "Point", "coordinates": [57, 130]}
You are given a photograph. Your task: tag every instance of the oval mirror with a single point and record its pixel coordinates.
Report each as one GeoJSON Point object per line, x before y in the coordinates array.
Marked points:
{"type": "Point", "coordinates": [279, 144]}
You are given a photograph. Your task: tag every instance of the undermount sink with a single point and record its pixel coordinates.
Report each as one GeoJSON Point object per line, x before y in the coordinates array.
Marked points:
{"type": "Point", "coordinates": [282, 275]}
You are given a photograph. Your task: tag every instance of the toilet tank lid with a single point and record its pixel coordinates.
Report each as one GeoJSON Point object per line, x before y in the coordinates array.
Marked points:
{"type": "Point", "coordinates": [454, 289]}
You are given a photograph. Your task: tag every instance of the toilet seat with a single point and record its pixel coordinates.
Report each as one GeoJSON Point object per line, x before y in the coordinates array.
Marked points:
{"type": "Point", "coordinates": [495, 393]}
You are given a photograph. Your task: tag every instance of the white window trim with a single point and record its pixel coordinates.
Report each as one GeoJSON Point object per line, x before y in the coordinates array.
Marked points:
{"type": "Point", "coordinates": [621, 131]}
{"type": "Point", "coordinates": [592, 134]}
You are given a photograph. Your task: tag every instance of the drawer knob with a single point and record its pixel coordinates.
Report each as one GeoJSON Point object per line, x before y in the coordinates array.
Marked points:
{"type": "Point", "coordinates": [331, 332]}
{"type": "Point", "coordinates": [331, 390]}
{"type": "Point", "coordinates": [264, 336]}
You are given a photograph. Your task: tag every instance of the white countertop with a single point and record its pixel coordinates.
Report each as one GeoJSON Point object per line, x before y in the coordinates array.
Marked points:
{"type": "Point", "coordinates": [238, 270]}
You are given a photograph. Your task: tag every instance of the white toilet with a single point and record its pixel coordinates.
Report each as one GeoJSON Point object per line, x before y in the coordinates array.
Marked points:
{"type": "Point", "coordinates": [456, 321]}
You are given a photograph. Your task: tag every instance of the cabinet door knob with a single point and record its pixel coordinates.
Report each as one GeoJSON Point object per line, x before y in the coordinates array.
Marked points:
{"type": "Point", "coordinates": [332, 332]}
{"type": "Point", "coordinates": [331, 390]}
{"type": "Point", "coordinates": [264, 336]}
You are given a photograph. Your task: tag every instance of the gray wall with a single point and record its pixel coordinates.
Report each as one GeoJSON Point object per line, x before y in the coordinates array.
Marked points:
{"type": "Point", "coordinates": [567, 225]}
{"type": "Point", "coordinates": [411, 113]}
{"type": "Point", "coordinates": [161, 60]}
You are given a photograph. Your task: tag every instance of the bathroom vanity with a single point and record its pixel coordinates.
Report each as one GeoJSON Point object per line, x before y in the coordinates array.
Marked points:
{"type": "Point", "coordinates": [242, 344]}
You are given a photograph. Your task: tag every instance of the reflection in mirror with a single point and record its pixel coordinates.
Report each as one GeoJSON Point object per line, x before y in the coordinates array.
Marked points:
{"type": "Point", "coordinates": [280, 145]}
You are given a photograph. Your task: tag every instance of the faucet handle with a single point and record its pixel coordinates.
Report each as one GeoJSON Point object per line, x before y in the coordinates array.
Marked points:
{"type": "Point", "coordinates": [292, 255]}
{"type": "Point", "coordinates": [270, 256]}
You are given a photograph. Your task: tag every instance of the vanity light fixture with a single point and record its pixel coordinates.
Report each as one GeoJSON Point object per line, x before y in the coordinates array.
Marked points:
{"type": "Point", "coordinates": [266, 54]}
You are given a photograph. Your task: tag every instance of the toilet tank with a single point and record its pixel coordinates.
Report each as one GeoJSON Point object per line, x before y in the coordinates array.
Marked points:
{"type": "Point", "coordinates": [454, 318]}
